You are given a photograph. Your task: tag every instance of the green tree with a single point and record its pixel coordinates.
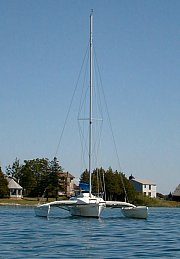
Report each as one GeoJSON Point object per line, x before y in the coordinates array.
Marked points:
{"type": "Point", "coordinates": [32, 175]}
{"type": "Point", "coordinates": [53, 179]}
{"type": "Point", "coordinates": [84, 178]}
{"type": "Point", "coordinates": [114, 185]}
{"type": "Point", "coordinates": [37, 176]}
{"type": "Point", "coordinates": [98, 185]}
{"type": "Point", "coordinates": [130, 190]}
{"type": "Point", "coordinates": [43, 180]}
{"type": "Point", "coordinates": [4, 191]}
{"type": "Point", "coordinates": [14, 171]}
{"type": "Point", "coordinates": [40, 171]}
{"type": "Point", "coordinates": [28, 179]}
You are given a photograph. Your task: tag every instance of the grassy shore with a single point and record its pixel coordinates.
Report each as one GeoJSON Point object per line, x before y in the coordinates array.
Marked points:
{"type": "Point", "coordinates": [155, 202]}
{"type": "Point", "coordinates": [141, 201]}
{"type": "Point", "coordinates": [23, 202]}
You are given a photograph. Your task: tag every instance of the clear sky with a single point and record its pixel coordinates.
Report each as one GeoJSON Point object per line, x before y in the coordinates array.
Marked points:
{"type": "Point", "coordinates": [42, 45]}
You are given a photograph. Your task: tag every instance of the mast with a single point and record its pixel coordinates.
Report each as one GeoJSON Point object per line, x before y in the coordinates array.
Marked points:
{"type": "Point", "coordinates": [91, 92]}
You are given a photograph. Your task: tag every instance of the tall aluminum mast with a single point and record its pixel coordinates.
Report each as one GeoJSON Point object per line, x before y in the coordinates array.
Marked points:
{"type": "Point", "coordinates": [91, 93]}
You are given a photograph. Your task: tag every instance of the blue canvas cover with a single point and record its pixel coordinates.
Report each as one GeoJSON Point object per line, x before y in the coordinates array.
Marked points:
{"type": "Point", "coordinates": [84, 186]}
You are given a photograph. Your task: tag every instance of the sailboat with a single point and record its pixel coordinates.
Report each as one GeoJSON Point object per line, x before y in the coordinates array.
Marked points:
{"type": "Point", "coordinates": [86, 204]}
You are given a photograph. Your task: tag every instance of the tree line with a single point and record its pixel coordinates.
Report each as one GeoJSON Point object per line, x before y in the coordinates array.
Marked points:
{"type": "Point", "coordinates": [40, 177]}
{"type": "Point", "coordinates": [37, 176]}
{"type": "Point", "coordinates": [112, 184]}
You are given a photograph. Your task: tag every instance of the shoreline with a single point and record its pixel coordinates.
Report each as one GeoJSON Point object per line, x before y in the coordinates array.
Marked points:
{"type": "Point", "coordinates": [33, 202]}
{"type": "Point", "coordinates": [17, 205]}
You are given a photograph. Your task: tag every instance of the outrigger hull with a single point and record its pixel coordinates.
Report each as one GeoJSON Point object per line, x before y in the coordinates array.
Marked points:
{"type": "Point", "coordinates": [139, 212]}
{"type": "Point", "coordinates": [42, 210]}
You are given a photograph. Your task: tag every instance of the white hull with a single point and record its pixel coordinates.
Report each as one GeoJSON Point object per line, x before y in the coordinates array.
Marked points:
{"type": "Point", "coordinates": [88, 206]}
{"type": "Point", "coordinates": [86, 210]}
{"type": "Point", "coordinates": [89, 210]}
{"type": "Point", "coordinates": [85, 205]}
{"type": "Point", "coordinates": [139, 212]}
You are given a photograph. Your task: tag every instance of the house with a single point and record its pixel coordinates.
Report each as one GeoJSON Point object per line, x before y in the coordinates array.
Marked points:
{"type": "Point", "coordinates": [147, 187]}
{"type": "Point", "coordinates": [15, 190]}
{"type": "Point", "coordinates": [176, 194]}
{"type": "Point", "coordinates": [66, 181]}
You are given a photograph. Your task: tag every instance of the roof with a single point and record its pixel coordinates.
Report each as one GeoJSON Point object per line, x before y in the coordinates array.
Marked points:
{"type": "Point", "coordinates": [13, 184]}
{"type": "Point", "coordinates": [143, 181]}
{"type": "Point", "coordinates": [177, 191]}
{"type": "Point", "coordinates": [66, 174]}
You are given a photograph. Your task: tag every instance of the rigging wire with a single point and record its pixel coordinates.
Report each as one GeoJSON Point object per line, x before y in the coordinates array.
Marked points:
{"type": "Point", "coordinates": [99, 112]}
{"type": "Point", "coordinates": [97, 71]}
{"type": "Point", "coordinates": [81, 112]}
{"type": "Point", "coordinates": [111, 129]}
{"type": "Point", "coordinates": [83, 116]}
{"type": "Point", "coordinates": [71, 102]}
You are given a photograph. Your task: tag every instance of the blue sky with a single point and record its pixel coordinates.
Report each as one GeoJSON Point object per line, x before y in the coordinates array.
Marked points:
{"type": "Point", "coordinates": [137, 43]}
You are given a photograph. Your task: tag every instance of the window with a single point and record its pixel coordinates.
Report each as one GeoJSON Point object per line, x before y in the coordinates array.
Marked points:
{"type": "Point", "coordinates": [149, 187]}
{"type": "Point", "coordinates": [145, 186]}
{"type": "Point", "coordinates": [149, 194]}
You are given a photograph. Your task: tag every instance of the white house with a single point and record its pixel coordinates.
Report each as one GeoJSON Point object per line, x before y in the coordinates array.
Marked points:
{"type": "Point", "coordinates": [15, 190]}
{"type": "Point", "coordinates": [176, 194]}
{"type": "Point", "coordinates": [147, 187]}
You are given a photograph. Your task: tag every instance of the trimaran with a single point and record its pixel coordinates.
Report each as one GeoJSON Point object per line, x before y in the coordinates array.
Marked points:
{"type": "Point", "coordinates": [86, 204]}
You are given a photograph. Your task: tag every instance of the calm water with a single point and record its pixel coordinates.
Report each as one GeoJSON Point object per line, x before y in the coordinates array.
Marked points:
{"type": "Point", "coordinates": [22, 235]}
